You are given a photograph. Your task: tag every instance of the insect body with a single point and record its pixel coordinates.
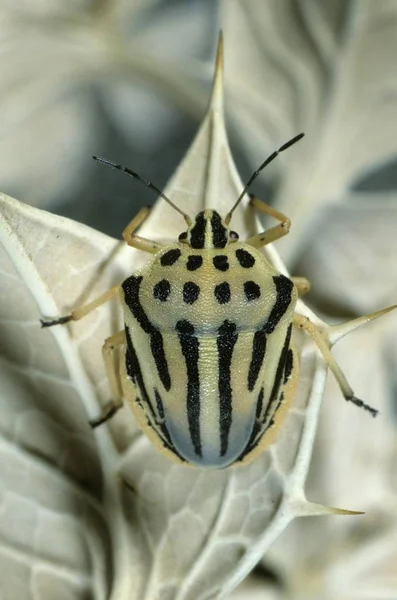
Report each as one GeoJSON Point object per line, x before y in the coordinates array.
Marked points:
{"type": "Point", "coordinates": [208, 327]}
{"type": "Point", "coordinates": [208, 366]}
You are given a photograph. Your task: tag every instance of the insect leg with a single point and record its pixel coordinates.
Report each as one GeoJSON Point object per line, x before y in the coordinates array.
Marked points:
{"type": "Point", "coordinates": [108, 350]}
{"type": "Point", "coordinates": [302, 322]}
{"type": "Point", "coordinates": [82, 311]}
{"type": "Point", "coordinates": [135, 240]}
{"type": "Point", "coordinates": [302, 285]}
{"type": "Point", "coordinates": [272, 234]}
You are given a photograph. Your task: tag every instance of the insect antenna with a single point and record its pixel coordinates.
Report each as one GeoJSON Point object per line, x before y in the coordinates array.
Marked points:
{"type": "Point", "coordinates": [256, 173]}
{"type": "Point", "coordinates": [149, 184]}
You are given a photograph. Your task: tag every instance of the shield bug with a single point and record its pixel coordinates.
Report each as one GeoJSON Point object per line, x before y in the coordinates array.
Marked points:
{"type": "Point", "coordinates": [209, 369]}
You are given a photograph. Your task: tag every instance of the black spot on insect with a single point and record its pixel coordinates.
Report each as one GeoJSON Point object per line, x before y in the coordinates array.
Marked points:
{"type": "Point", "coordinates": [161, 424]}
{"type": "Point", "coordinates": [135, 374]}
{"type": "Point", "coordinates": [184, 327]}
{"type": "Point", "coordinates": [134, 371]}
{"type": "Point", "coordinates": [219, 231]}
{"type": "Point", "coordinates": [190, 347]}
{"type": "Point", "coordinates": [279, 377]}
{"type": "Point", "coordinates": [194, 262]}
{"type": "Point", "coordinates": [182, 236]}
{"type": "Point", "coordinates": [245, 259]}
{"type": "Point", "coordinates": [266, 420]}
{"type": "Point", "coordinates": [222, 292]}
{"type": "Point", "coordinates": [157, 348]}
{"type": "Point", "coordinates": [170, 257]}
{"type": "Point", "coordinates": [220, 262]}
{"type": "Point", "coordinates": [289, 363]}
{"type": "Point", "coordinates": [281, 400]}
{"type": "Point", "coordinates": [162, 290]}
{"type": "Point", "coordinates": [191, 292]}
{"type": "Point", "coordinates": [159, 404]}
{"type": "Point", "coordinates": [252, 290]}
{"type": "Point", "coordinates": [267, 416]}
{"type": "Point", "coordinates": [259, 404]}
{"type": "Point", "coordinates": [256, 430]}
{"type": "Point", "coordinates": [257, 356]}
{"type": "Point", "coordinates": [131, 288]}
{"type": "Point", "coordinates": [197, 233]}
{"type": "Point", "coordinates": [284, 287]}
{"type": "Point", "coordinates": [226, 340]}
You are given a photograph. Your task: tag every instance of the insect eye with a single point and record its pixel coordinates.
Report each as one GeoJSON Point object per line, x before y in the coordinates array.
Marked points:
{"type": "Point", "coordinates": [233, 235]}
{"type": "Point", "coordinates": [183, 236]}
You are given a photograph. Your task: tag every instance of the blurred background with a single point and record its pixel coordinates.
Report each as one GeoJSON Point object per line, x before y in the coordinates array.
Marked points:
{"type": "Point", "coordinates": [129, 80]}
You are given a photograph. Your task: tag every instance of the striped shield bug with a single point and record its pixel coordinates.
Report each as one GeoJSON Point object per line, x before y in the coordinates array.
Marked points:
{"type": "Point", "coordinates": [209, 369]}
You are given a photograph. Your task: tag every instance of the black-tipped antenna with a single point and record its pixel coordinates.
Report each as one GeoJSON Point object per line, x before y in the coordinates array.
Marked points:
{"type": "Point", "coordinates": [255, 175]}
{"type": "Point", "coordinates": [149, 184]}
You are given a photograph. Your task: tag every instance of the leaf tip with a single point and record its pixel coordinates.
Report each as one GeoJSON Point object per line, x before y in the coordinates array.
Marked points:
{"type": "Point", "coordinates": [216, 102]}
{"type": "Point", "coordinates": [219, 53]}
{"type": "Point", "coordinates": [337, 332]}
{"type": "Point", "coordinates": [314, 509]}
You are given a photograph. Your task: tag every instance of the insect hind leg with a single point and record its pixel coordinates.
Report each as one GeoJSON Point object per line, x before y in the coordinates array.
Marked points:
{"type": "Point", "coordinates": [304, 323]}
{"type": "Point", "coordinates": [109, 348]}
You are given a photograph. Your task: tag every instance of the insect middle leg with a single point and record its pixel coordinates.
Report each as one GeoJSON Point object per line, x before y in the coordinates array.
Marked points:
{"type": "Point", "coordinates": [302, 284]}
{"type": "Point", "coordinates": [109, 348]}
{"type": "Point", "coordinates": [272, 234]}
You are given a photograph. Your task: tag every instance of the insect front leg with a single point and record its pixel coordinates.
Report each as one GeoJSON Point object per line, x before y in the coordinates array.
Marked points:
{"type": "Point", "coordinates": [109, 347]}
{"type": "Point", "coordinates": [272, 234]}
{"type": "Point", "coordinates": [82, 311]}
{"type": "Point", "coordinates": [135, 240]}
{"type": "Point", "coordinates": [304, 323]}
